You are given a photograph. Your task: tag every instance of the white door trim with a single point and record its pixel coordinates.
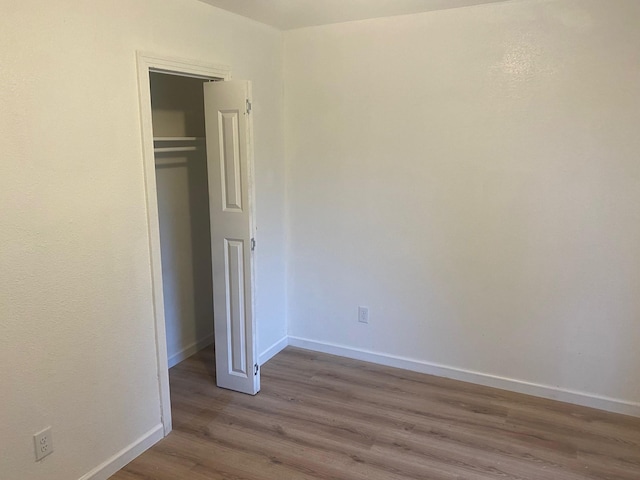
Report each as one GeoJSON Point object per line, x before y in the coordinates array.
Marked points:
{"type": "Point", "coordinates": [178, 66]}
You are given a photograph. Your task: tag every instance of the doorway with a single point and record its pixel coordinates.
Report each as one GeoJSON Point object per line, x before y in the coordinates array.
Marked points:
{"type": "Point", "coordinates": [197, 150]}
{"type": "Point", "coordinates": [177, 109]}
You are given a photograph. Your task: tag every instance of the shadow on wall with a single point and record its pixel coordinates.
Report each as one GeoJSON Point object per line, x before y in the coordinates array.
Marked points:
{"type": "Point", "coordinates": [186, 250]}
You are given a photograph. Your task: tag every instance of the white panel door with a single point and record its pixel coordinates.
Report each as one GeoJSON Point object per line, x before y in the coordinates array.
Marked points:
{"type": "Point", "coordinates": [230, 202]}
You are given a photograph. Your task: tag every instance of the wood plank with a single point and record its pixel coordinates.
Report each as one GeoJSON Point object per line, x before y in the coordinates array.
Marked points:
{"type": "Point", "coordinates": [324, 417]}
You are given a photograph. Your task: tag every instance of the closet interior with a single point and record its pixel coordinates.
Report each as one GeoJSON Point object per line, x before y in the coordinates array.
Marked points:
{"type": "Point", "coordinates": [177, 105]}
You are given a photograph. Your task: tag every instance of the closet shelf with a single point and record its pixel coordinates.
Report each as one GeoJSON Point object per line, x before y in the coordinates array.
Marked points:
{"type": "Point", "coordinates": [178, 139]}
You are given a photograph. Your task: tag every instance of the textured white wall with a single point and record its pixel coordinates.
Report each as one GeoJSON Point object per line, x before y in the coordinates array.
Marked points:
{"type": "Point", "coordinates": [76, 327]}
{"type": "Point", "coordinates": [472, 176]}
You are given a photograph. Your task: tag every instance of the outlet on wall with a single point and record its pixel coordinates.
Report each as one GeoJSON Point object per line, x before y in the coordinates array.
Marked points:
{"type": "Point", "coordinates": [43, 443]}
{"type": "Point", "coordinates": [363, 314]}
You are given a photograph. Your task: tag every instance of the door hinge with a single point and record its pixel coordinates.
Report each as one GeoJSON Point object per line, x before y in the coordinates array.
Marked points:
{"type": "Point", "coordinates": [253, 244]}
{"type": "Point", "coordinates": [255, 369]}
{"type": "Point", "coordinates": [248, 106]}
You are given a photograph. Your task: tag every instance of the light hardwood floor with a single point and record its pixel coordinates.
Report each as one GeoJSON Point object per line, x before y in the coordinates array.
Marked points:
{"type": "Point", "coordinates": [325, 417]}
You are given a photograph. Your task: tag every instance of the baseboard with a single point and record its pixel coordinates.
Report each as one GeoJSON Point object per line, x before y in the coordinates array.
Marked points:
{"type": "Point", "coordinates": [273, 350]}
{"type": "Point", "coordinates": [195, 347]}
{"type": "Point", "coordinates": [519, 386]}
{"type": "Point", "coordinates": [124, 456]}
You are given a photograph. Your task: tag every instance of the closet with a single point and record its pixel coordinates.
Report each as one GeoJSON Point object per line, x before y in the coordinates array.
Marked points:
{"type": "Point", "coordinates": [177, 105]}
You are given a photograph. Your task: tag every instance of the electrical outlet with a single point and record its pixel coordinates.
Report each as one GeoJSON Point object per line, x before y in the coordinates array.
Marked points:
{"type": "Point", "coordinates": [43, 443]}
{"type": "Point", "coordinates": [363, 314]}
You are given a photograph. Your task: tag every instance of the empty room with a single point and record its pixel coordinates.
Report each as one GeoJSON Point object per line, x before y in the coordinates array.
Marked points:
{"type": "Point", "coordinates": [320, 239]}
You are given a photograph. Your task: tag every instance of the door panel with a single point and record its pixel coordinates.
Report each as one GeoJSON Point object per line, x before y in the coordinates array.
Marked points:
{"type": "Point", "coordinates": [229, 164]}
{"type": "Point", "coordinates": [230, 151]}
{"type": "Point", "coordinates": [236, 315]}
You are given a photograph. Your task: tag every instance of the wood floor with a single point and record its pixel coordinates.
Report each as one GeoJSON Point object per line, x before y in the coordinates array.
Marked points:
{"type": "Point", "coordinates": [325, 417]}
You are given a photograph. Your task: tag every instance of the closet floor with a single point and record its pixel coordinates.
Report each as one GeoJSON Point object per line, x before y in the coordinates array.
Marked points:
{"type": "Point", "coordinates": [324, 417]}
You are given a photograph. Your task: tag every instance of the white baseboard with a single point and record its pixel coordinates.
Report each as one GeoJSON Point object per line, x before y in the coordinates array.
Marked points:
{"type": "Point", "coordinates": [273, 350]}
{"type": "Point", "coordinates": [554, 393]}
{"type": "Point", "coordinates": [124, 456]}
{"type": "Point", "coordinates": [185, 353]}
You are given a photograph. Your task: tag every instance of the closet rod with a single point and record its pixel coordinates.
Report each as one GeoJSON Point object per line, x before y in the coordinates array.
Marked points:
{"type": "Point", "coordinates": [174, 149]}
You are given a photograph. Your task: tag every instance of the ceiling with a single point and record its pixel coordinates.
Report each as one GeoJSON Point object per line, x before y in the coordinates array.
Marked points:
{"type": "Point", "coordinates": [289, 14]}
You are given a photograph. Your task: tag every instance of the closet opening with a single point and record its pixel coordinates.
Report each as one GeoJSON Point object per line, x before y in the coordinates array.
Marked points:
{"type": "Point", "coordinates": [178, 124]}
{"type": "Point", "coordinates": [197, 142]}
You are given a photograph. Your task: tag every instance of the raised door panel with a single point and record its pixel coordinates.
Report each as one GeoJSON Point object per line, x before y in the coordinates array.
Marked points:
{"type": "Point", "coordinates": [230, 174]}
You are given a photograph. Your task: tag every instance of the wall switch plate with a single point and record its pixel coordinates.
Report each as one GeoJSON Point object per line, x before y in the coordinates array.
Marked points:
{"type": "Point", "coordinates": [363, 314]}
{"type": "Point", "coordinates": [43, 443]}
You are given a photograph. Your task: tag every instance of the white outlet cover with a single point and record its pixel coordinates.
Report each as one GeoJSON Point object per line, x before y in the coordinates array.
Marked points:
{"type": "Point", "coordinates": [363, 314]}
{"type": "Point", "coordinates": [43, 441]}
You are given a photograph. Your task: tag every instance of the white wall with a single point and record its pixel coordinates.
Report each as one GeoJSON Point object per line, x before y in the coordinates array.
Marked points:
{"type": "Point", "coordinates": [183, 210]}
{"type": "Point", "coordinates": [472, 176]}
{"type": "Point", "coordinates": [76, 330]}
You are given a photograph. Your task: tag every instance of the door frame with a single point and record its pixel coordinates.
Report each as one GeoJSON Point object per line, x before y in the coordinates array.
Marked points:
{"type": "Point", "coordinates": [149, 62]}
